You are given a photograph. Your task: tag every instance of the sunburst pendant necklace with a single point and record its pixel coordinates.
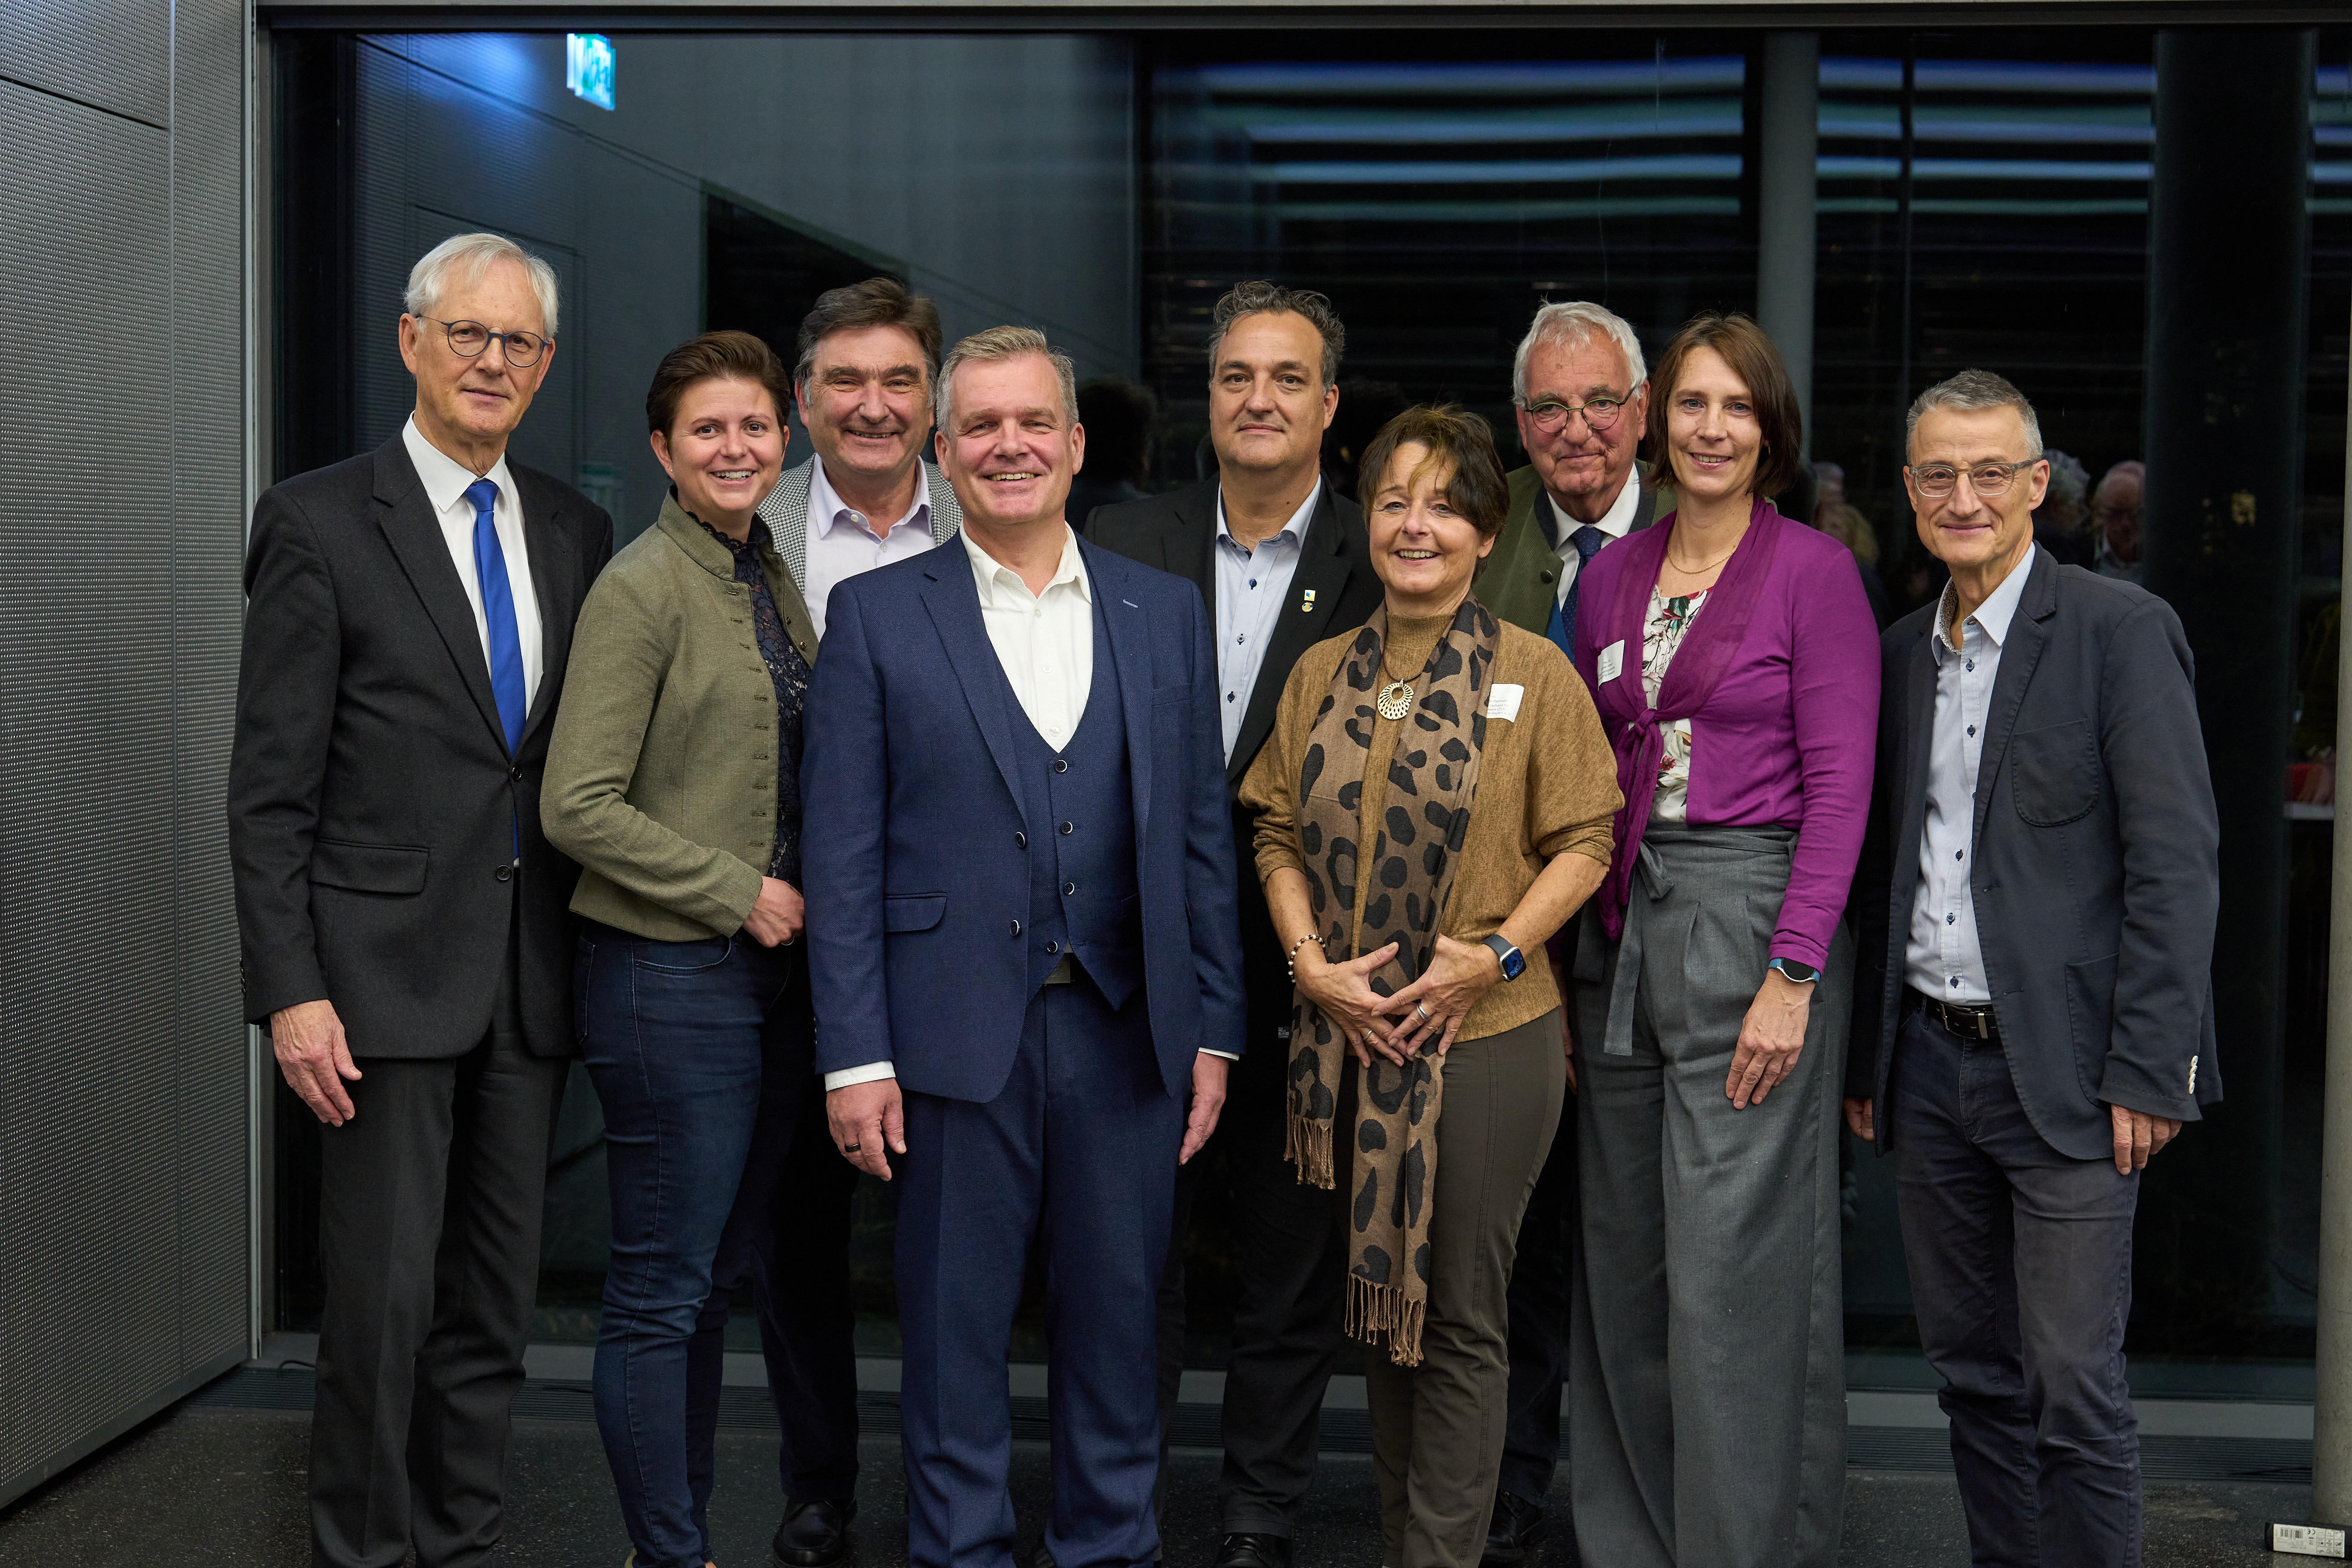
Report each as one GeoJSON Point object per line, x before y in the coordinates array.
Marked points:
{"type": "Point", "coordinates": [1395, 700]}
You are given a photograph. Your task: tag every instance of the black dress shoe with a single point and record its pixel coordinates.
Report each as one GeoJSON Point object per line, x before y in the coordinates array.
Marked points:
{"type": "Point", "coordinates": [814, 1534]}
{"type": "Point", "coordinates": [1517, 1529]}
{"type": "Point", "coordinates": [1247, 1549]}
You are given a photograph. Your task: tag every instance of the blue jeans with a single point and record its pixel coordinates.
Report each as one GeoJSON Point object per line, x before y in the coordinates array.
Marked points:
{"type": "Point", "coordinates": [2021, 1276]}
{"type": "Point", "coordinates": [701, 1062]}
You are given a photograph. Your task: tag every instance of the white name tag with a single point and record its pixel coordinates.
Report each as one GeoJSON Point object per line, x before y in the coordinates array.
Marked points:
{"type": "Point", "coordinates": [1613, 661]}
{"type": "Point", "coordinates": [1503, 701]}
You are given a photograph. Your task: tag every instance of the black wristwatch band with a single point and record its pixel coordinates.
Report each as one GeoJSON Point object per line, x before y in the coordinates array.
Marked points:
{"type": "Point", "coordinates": [1513, 962]}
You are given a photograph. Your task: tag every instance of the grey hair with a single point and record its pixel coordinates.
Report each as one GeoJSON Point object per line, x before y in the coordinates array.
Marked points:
{"type": "Point", "coordinates": [1570, 324]}
{"type": "Point", "coordinates": [472, 256]}
{"type": "Point", "coordinates": [1968, 391]}
{"type": "Point", "coordinates": [1004, 343]}
{"type": "Point", "coordinates": [1259, 297]}
{"type": "Point", "coordinates": [2070, 481]}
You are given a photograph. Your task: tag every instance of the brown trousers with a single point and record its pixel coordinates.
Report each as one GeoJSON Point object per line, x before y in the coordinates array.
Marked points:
{"type": "Point", "coordinates": [1437, 1428]}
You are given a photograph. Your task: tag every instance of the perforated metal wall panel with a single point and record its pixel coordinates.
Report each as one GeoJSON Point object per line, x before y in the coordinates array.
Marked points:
{"type": "Point", "coordinates": [123, 1122]}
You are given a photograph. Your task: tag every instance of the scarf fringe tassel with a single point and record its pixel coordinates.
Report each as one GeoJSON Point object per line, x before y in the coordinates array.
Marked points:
{"type": "Point", "coordinates": [1307, 1144]}
{"type": "Point", "coordinates": [1376, 1309]}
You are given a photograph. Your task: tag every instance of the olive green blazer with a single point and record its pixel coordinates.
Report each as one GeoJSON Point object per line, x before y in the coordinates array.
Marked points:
{"type": "Point", "coordinates": [1517, 578]}
{"type": "Point", "coordinates": [661, 775]}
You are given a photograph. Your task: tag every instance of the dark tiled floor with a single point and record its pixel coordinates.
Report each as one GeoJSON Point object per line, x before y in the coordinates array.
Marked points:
{"type": "Point", "coordinates": [208, 1486]}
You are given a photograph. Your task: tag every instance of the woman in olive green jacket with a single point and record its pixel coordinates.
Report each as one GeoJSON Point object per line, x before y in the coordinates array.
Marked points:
{"type": "Point", "coordinates": [672, 781]}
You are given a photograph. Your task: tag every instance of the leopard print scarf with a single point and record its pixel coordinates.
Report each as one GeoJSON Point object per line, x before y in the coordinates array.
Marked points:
{"type": "Point", "coordinates": [1432, 778]}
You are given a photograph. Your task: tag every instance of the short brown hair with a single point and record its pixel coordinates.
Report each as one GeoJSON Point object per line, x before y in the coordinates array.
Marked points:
{"type": "Point", "coordinates": [1476, 488]}
{"type": "Point", "coordinates": [1755, 361]}
{"type": "Point", "coordinates": [876, 302]}
{"type": "Point", "coordinates": [728, 355]}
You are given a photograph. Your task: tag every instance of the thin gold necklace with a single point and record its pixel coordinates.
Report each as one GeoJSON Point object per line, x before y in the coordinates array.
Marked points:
{"type": "Point", "coordinates": [1710, 566]}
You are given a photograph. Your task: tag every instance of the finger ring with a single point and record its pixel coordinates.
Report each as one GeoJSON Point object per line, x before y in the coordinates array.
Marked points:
{"type": "Point", "coordinates": [1423, 1008]}
{"type": "Point", "coordinates": [849, 1148]}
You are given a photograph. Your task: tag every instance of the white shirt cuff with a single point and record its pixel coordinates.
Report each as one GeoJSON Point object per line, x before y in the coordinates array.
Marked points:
{"type": "Point", "coordinates": [1227, 1055]}
{"type": "Point", "coordinates": [870, 1073]}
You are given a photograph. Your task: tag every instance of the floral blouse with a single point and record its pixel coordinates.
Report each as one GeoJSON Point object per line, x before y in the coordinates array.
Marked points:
{"type": "Point", "coordinates": [1663, 630]}
{"type": "Point", "coordinates": [790, 673]}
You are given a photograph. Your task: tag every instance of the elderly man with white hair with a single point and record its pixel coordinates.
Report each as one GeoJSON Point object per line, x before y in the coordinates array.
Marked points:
{"type": "Point", "coordinates": [1582, 394]}
{"type": "Point", "coordinates": [404, 922]}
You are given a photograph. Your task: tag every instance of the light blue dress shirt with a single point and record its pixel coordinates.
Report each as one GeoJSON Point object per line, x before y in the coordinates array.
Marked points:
{"type": "Point", "coordinates": [1252, 587]}
{"type": "Point", "coordinates": [1942, 957]}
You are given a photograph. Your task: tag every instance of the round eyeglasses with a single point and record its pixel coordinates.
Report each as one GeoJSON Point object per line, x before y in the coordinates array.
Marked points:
{"type": "Point", "coordinates": [1991, 481]}
{"type": "Point", "coordinates": [1550, 416]}
{"type": "Point", "coordinates": [468, 339]}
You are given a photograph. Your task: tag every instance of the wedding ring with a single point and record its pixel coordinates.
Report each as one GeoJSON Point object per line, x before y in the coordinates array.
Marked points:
{"type": "Point", "coordinates": [849, 1148]}
{"type": "Point", "coordinates": [1423, 1008]}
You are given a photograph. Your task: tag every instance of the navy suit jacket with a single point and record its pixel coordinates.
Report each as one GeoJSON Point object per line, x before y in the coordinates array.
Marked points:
{"type": "Point", "coordinates": [915, 864]}
{"type": "Point", "coordinates": [2097, 860]}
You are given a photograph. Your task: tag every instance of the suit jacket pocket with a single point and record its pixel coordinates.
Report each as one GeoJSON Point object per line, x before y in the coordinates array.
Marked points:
{"type": "Point", "coordinates": [2090, 1019]}
{"type": "Point", "coordinates": [2058, 773]}
{"type": "Point", "coordinates": [368, 868]}
{"type": "Point", "coordinates": [913, 911]}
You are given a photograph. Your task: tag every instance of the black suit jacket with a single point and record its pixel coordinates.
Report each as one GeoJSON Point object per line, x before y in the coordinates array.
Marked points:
{"type": "Point", "coordinates": [1178, 533]}
{"type": "Point", "coordinates": [373, 805]}
{"type": "Point", "coordinates": [2097, 860]}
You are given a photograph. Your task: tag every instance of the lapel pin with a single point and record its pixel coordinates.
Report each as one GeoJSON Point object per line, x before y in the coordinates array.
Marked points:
{"type": "Point", "coordinates": [1306, 605]}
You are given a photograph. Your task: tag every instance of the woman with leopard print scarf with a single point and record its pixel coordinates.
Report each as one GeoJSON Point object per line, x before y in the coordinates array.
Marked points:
{"type": "Point", "coordinates": [1435, 802]}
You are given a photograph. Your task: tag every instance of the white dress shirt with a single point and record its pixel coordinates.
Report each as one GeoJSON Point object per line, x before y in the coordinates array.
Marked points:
{"type": "Point", "coordinates": [841, 544]}
{"type": "Point", "coordinates": [1942, 957]}
{"type": "Point", "coordinates": [1252, 585]}
{"type": "Point", "coordinates": [445, 480]}
{"type": "Point", "coordinates": [1616, 522]}
{"type": "Point", "coordinates": [1045, 642]}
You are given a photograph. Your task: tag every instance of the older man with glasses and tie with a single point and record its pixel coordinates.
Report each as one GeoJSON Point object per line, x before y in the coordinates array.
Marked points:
{"type": "Point", "coordinates": [406, 939]}
{"type": "Point", "coordinates": [1582, 393]}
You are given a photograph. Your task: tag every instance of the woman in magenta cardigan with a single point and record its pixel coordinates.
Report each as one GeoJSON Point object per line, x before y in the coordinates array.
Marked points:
{"type": "Point", "coordinates": [1735, 663]}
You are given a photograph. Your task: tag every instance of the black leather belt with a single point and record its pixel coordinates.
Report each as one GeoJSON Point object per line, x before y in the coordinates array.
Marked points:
{"type": "Point", "coordinates": [1970, 1021]}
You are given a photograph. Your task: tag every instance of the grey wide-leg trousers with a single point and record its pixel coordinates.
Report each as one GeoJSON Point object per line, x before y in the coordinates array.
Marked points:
{"type": "Point", "coordinates": [1707, 1406]}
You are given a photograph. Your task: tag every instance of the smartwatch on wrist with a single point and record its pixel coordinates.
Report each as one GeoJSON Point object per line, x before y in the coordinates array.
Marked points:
{"type": "Point", "coordinates": [1515, 964]}
{"type": "Point", "coordinates": [1804, 974]}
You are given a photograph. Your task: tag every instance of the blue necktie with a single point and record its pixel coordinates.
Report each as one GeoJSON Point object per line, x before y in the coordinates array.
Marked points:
{"type": "Point", "coordinates": [1587, 541]}
{"type": "Point", "coordinates": [498, 612]}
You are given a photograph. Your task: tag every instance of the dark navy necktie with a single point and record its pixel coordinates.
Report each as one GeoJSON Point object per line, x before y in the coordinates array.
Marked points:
{"type": "Point", "coordinates": [498, 612]}
{"type": "Point", "coordinates": [1587, 541]}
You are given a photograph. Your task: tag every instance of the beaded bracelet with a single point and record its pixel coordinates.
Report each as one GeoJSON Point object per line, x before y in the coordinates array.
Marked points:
{"type": "Point", "coordinates": [1290, 960]}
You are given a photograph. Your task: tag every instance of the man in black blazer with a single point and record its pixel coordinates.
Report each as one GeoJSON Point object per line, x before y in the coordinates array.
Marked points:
{"type": "Point", "coordinates": [1283, 563]}
{"type": "Point", "coordinates": [405, 927]}
{"type": "Point", "coordinates": [2038, 909]}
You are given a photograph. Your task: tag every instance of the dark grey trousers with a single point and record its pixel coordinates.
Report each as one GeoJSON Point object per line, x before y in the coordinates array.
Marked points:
{"type": "Point", "coordinates": [1706, 1402]}
{"type": "Point", "coordinates": [429, 1228]}
{"type": "Point", "coordinates": [2021, 1270]}
{"type": "Point", "coordinates": [1290, 1247]}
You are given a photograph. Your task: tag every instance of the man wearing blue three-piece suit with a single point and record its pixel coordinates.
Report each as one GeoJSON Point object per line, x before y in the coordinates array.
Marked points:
{"type": "Point", "coordinates": [1022, 954]}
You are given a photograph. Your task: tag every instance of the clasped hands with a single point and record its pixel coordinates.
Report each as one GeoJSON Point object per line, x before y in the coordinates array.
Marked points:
{"type": "Point", "coordinates": [1399, 1026]}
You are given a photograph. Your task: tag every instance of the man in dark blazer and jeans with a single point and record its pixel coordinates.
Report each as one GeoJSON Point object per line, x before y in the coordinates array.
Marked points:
{"type": "Point", "coordinates": [1282, 563]}
{"type": "Point", "coordinates": [2038, 911]}
{"type": "Point", "coordinates": [405, 930]}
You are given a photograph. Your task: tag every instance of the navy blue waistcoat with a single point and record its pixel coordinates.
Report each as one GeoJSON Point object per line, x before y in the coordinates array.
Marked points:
{"type": "Point", "coordinates": [1079, 803]}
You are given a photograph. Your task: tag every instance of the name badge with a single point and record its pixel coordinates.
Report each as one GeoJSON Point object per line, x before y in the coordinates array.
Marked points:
{"type": "Point", "coordinates": [1503, 701]}
{"type": "Point", "coordinates": [1613, 661]}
